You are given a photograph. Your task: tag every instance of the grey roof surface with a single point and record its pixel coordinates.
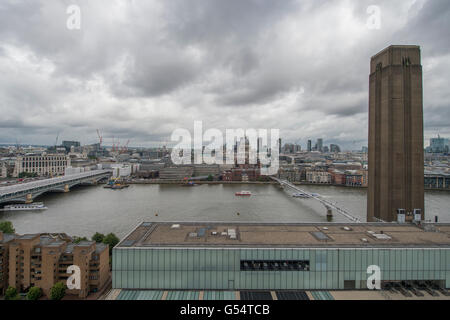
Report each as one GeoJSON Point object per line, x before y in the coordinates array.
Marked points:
{"type": "Point", "coordinates": [167, 234]}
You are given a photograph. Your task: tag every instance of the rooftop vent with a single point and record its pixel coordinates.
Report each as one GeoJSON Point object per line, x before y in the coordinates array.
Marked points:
{"type": "Point", "coordinates": [321, 236]}
{"type": "Point", "coordinates": [381, 236]}
{"type": "Point", "coordinates": [347, 229]}
{"type": "Point", "coordinates": [175, 226]}
{"type": "Point", "coordinates": [325, 228]}
{"type": "Point", "coordinates": [232, 233]}
{"type": "Point", "coordinates": [193, 235]}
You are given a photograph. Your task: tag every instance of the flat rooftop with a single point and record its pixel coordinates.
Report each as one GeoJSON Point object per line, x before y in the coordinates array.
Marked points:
{"type": "Point", "coordinates": [260, 235]}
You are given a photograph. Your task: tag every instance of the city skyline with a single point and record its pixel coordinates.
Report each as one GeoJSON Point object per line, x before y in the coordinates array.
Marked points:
{"type": "Point", "coordinates": [224, 75]}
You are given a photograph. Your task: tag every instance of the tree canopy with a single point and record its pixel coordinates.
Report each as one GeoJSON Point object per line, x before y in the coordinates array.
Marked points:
{"type": "Point", "coordinates": [111, 240]}
{"type": "Point", "coordinates": [79, 239]}
{"type": "Point", "coordinates": [7, 227]}
{"type": "Point", "coordinates": [98, 237]}
{"type": "Point", "coordinates": [11, 294]}
{"type": "Point", "coordinates": [34, 293]}
{"type": "Point", "coordinates": [58, 291]}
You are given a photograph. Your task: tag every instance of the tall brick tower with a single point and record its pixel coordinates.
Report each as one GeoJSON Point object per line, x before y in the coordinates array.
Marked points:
{"type": "Point", "coordinates": [396, 160]}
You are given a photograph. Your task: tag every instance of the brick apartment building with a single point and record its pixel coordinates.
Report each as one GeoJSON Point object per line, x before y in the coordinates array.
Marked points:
{"type": "Point", "coordinates": [354, 179]}
{"type": "Point", "coordinates": [42, 260]}
{"type": "Point", "coordinates": [349, 178]}
{"type": "Point", "coordinates": [241, 174]}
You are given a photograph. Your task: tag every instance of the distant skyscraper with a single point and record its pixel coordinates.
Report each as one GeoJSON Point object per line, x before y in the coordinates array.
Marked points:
{"type": "Point", "coordinates": [69, 144]}
{"type": "Point", "coordinates": [319, 145]}
{"type": "Point", "coordinates": [396, 161]}
{"type": "Point", "coordinates": [335, 148]}
{"type": "Point", "coordinates": [438, 145]}
{"type": "Point", "coordinates": [309, 145]}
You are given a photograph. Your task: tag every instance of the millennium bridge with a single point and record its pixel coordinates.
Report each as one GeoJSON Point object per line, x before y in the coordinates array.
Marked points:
{"type": "Point", "coordinates": [26, 192]}
{"type": "Point", "coordinates": [328, 205]}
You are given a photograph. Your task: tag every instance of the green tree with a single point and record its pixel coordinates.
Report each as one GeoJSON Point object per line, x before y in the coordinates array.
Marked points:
{"type": "Point", "coordinates": [7, 227]}
{"type": "Point", "coordinates": [98, 237]}
{"type": "Point", "coordinates": [11, 294]}
{"type": "Point", "coordinates": [23, 175]}
{"type": "Point", "coordinates": [210, 178]}
{"type": "Point", "coordinates": [77, 240]}
{"type": "Point", "coordinates": [34, 293]}
{"type": "Point", "coordinates": [111, 240]}
{"type": "Point", "coordinates": [58, 291]}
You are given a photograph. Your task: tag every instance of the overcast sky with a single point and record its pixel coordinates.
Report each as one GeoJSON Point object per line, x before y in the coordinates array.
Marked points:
{"type": "Point", "coordinates": [141, 69]}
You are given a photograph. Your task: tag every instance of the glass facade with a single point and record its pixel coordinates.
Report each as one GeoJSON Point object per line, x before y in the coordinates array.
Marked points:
{"type": "Point", "coordinates": [220, 269]}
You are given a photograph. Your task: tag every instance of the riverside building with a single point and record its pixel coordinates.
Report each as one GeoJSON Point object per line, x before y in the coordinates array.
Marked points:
{"type": "Point", "coordinates": [42, 260]}
{"type": "Point", "coordinates": [42, 165]}
{"type": "Point", "coordinates": [257, 256]}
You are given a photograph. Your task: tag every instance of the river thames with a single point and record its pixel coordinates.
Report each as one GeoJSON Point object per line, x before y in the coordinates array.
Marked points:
{"type": "Point", "coordinates": [86, 210]}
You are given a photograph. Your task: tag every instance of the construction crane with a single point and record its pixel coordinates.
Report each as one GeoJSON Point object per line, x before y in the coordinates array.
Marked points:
{"type": "Point", "coordinates": [118, 146]}
{"type": "Point", "coordinates": [56, 141]}
{"type": "Point", "coordinates": [100, 138]}
{"type": "Point", "coordinates": [125, 147]}
{"type": "Point", "coordinates": [17, 145]}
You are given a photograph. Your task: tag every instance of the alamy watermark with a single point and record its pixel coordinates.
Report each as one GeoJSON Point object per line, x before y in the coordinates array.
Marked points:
{"type": "Point", "coordinates": [74, 281]}
{"type": "Point", "coordinates": [249, 146]}
{"type": "Point", "coordinates": [374, 280]}
{"type": "Point", "coordinates": [74, 20]}
{"type": "Point", "coordinates": [374, 19]}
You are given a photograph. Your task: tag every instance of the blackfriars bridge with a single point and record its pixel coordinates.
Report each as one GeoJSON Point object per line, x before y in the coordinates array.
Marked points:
{"type": "Point", "coordinates": [26, 192]}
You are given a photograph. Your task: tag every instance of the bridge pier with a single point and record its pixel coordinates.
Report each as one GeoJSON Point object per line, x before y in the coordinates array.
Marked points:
{"type": "Point", "coordinates": [329, 215]}
{"type": "Point", "coordinates": [29, 198]}
{"type": "Point", "coordinates": [66, 188]}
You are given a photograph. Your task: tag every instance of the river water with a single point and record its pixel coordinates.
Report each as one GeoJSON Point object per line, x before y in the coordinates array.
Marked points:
{"type": "Point", "coordinates": [86, 210]}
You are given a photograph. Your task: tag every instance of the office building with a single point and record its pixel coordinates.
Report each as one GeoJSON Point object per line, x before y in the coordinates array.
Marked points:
{"type": "Point", "coordinates": [176, 173]}
{"type": "Point", "coordinates": [319, 145]}
{"type": "Point", "coordinates": [335, 148]}
{"type": "Point", "coordinates": [69, 144]}
{"type": "Point", "coordinates": [438, 145]}
{"type": "Point", "coordinates": [252, 256]}
{"type": "Point", "coordinates": [41, 164]}
{"type": "Point", "coordinates": [309, 145]}
{"type": "Point", "coordinates": [205, 170]}
{"type": "Point", "coordinates": [396, 175]}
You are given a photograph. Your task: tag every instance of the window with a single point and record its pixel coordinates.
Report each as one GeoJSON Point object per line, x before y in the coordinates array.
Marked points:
{"type": "Point", "coordinates": [274, 265]}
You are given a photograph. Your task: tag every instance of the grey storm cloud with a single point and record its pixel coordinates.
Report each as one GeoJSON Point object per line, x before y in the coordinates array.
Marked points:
{"type": "Point", "coordinates": [141, 69]}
